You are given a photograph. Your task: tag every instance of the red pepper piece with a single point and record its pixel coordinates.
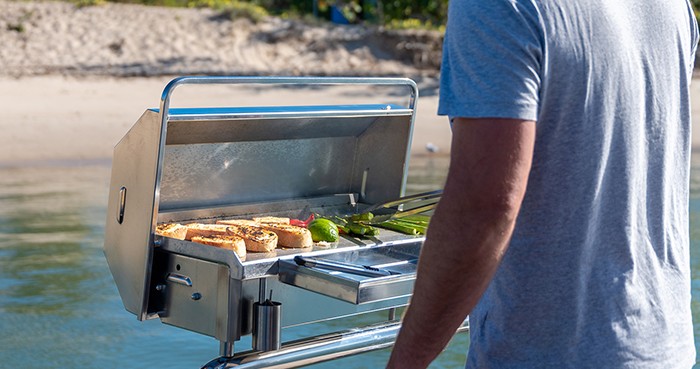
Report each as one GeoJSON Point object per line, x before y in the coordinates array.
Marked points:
{"type": "Point", "coordinates": [302, 223]}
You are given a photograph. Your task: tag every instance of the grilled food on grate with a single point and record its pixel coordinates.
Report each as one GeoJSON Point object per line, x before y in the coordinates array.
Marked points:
{"type": "Point", "coordinates": [172, 230]}
{"type": "Point", "coordinates": [256, 238]}
{"type": "Point", "coordinates": [234, 243]}
{"type": "Point", "coordinates": [288, 235]}
{"type": "Point", "coordinates": [204, 230]}
{"type": "Point", "coordinates": [274, 220]}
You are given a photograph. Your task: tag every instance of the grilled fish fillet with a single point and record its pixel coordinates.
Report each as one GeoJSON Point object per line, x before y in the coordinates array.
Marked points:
{"type": "Point", "coordinates": [234, 243]}
{"type": "Point", "coordinates": [288, 235]}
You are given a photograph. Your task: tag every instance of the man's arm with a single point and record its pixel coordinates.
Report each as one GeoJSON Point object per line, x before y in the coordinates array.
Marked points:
{"type": "Point", "coordinates": [468, 234]}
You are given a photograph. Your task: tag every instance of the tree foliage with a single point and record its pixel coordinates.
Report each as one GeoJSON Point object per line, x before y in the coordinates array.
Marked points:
{"type": "Point", "coordinates": [392, 13]}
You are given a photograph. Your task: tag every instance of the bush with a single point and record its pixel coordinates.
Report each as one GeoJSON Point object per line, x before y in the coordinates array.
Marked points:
{"type": "Point", "coordinates": [84, 3]}
{"type": "Point", "coordinates": [396, 14]}
{"type": "Point", "coordinates": [413, 23]}
{"type": "Point", "coordinates": [232, 9]}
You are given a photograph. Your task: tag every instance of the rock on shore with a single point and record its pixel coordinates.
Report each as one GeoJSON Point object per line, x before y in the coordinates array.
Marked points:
{"type": "Point", "coordinates": [133, 40]}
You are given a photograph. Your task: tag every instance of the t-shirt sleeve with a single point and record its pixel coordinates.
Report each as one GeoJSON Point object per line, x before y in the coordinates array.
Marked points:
{"type": "Point", "coordinates": [492, 60]}
{"type": "Point", "coordinates": [694, 40]}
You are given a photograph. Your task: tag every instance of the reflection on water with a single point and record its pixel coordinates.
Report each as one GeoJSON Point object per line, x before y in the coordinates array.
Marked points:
{"type": "Point", "coordinates": [58, 303]}
{"type": "Point", "coordinates": [47, 254]}
{"type": "Point", "coordinates": [59, 307]}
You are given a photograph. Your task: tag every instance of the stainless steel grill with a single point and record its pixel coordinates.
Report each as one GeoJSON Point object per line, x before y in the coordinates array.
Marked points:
{"type": "Point", "coordinates": [204, 164]}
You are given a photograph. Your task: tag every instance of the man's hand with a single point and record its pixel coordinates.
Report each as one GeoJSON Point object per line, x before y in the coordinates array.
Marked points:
{"type": "Point", "coordinates": [468, 234]}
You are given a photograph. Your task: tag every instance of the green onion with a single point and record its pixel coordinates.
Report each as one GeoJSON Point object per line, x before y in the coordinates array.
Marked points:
{"type": "Point", "coordinates": [399, 228]}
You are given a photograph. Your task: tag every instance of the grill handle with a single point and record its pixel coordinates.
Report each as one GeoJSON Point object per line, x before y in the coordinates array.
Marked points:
{"type": "Point", "coordinates": [318, 349]}
{"type": "Point", "coordinates": [280, 81]}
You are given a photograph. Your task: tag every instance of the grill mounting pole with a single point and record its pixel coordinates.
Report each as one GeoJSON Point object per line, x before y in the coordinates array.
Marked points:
{"type": "Point", "coordinates": [226, 349]}
{"type": "Point", "coordinates": [318, 349]}
{"type": "Point", "coordinates": [267, 321]}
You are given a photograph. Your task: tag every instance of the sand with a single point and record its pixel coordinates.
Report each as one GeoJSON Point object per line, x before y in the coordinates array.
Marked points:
{"type": "Point", "coordinates": [57, 119]}
{"type": "Point", "coordinates": [134, 40]}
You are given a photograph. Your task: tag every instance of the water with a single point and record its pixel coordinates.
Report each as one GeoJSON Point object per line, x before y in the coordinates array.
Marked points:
{"type": "Point", "coordinates": [59, 307]}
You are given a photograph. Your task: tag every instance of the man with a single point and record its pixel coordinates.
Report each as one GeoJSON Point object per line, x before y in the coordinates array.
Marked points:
{"type": "Point", "coordinates": [563, 228]}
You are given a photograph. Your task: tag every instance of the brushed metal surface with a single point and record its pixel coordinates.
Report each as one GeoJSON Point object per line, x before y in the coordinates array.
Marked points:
{"type": "Point", "coordinates": [197, 299]}
{"type": "Point", "coordinates": [127, 245]}
{"type": "Point", "coordinates": [354, 288]}
{"type": "Point", "coordinates": [271, 160]}
{"type": "Point", "coordinates": [300, 306]}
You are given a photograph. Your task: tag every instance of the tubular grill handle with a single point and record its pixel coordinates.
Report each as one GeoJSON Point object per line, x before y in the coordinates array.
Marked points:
{"type": "Point", "coordinates": [232, 80]}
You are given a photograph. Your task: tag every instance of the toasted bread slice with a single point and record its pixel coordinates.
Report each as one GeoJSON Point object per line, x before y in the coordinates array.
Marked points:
{"type": "Point", "coordinates": [234, 243]}
{"type": "Point", "coordinates": [256, 239]}
{"type": "Point", "coordinates": [238, 222]}
{"type": "Point", "coordinates": [289, 235]}
{"type": "Point", "coordinates": [172, 230]}
{"type": "Point", "coordinates": [204, 230]}
{"type": "Point", "coordinates": [274, 220]}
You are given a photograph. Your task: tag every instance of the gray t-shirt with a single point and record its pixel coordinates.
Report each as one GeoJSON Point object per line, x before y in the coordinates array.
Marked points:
{"type": "Point", "coordinates": [597, 274]}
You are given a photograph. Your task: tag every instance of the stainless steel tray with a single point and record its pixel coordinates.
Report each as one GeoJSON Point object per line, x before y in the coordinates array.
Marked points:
{"type": "Point", "coordinates": [401, 259]}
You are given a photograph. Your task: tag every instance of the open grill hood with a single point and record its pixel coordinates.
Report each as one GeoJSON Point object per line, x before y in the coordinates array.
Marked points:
{"type": "Point", "coordinates": [203, 164]}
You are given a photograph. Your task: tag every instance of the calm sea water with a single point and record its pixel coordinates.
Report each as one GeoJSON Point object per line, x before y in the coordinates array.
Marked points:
{"type": "Point", "coordinates": [59, 307]}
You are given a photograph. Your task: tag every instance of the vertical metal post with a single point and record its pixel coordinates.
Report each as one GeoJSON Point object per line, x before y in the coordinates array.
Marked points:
{"type": "Point", "coordinates": [392, 314]}
{"type": "Point", "coordinates": [262, 289]}
{"type": "Point", "coordinates": [226, 349]}
{"type": "Point", "coordinates": [267, 319]}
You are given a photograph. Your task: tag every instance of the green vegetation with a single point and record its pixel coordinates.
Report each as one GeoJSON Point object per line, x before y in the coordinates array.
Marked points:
{"type": "Point", "coordinates": [232, 9]}
{"type": "Point", "coordinates": [82, 3]}
{"type": "Point", "coordinates": [18, 26]}
{"type": "Point", "coordinates": [394, 14]}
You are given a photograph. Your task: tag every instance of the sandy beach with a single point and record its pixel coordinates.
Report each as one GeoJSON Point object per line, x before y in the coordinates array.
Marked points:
{"type": "Point", "coordinates": [56, 119]}
{"type": "Point", "coordinates": [42, 37]}
{"type": "Point", "coordinates": [74, 80]}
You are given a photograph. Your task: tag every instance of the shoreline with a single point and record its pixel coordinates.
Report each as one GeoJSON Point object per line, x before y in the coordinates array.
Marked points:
{"type": "Point", "coordinates": [59, 120]}
{"type": "Point", "coordinates": [50, 120]}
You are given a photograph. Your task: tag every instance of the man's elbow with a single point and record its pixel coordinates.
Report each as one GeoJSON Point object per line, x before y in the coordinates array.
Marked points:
{"type": "Point", "coordinates": [498, 207]}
